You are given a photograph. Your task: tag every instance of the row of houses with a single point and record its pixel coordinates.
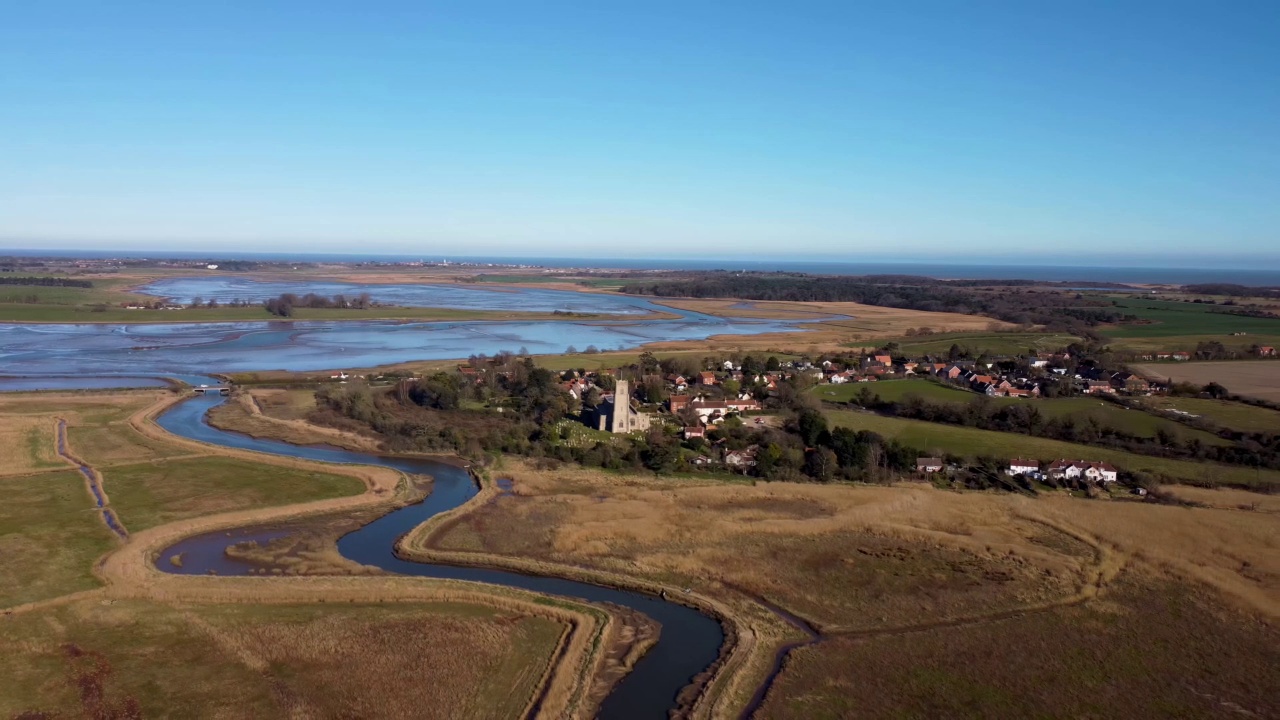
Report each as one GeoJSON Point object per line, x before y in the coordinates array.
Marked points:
{"type": "Point", "coordinates": [1086, 470]}
{"type": "Point", "coordinates": [996, 377]}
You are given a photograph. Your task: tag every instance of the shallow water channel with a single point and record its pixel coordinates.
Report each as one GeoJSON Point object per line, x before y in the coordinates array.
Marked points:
{"type": "Point", "coordinates": [689, 641]}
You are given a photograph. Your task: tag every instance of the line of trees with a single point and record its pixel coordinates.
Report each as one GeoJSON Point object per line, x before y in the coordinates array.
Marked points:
{"type": "Point", "coordinates": [46, 282]}
{"type": "Point", "coordinates": [284, 305]}
{"type": "Point", "coordinates": [1054, 309]}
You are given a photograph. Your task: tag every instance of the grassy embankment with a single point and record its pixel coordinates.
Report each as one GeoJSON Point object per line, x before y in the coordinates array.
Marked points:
{"type": "Point", "coordinates": [973, 442]}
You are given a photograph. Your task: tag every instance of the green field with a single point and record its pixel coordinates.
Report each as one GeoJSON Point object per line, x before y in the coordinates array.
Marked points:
{"type": "Point", "coordinates": [104, 291]}
{"type": "Point", "coordinates": [982, 343]}
{"type": "Point", "coordinates": [90, 659]}
{"type": "Point", "coordinates": [972, 442]}
{"type": "Point", "coordinates": [896, 390]}
{"type": "Point", "coordinates": [153, 493]}
{"type": "Point", "coordinates": [1170, 319]}
{"type": "Point", "coordinates": [1081, 409]}
{"type": "Point", "coordinates": [50, 536]}
{"type": "Point", "coordinates": [1232, 415]}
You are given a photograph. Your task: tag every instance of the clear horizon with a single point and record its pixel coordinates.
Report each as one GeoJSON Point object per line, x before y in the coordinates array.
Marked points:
{"type": "Point", "coordinates": [1019, 133]}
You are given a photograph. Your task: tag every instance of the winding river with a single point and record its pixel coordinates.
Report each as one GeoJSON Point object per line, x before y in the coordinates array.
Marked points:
{"type": "Point", "coordinates": [689, 642]}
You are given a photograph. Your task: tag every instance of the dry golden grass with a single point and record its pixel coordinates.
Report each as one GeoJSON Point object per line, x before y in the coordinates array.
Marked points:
{"type": "Point", "coordinates": [862, 560]}
{"type": "Point", "coordinates": [97, 426]}
{"type": "Point", "coordinates": [285, 404]}
{"type": "Point", "coordinates": [1148, 647]}
{"type": "Point", "coordinates": [867, 323]}
{"type": "Point", "coordinates": [410, 660]}
{"type": "Point", "coordinates": [841, 556]}
{"type": "Point", "coordinates": [1225, 498]}
{"type": "Point", "coordinates": [29, 442]}
{"type": "Point", "coordinates": [869, 319]}
{"type": "Point", "coordinates": [1259, 378]}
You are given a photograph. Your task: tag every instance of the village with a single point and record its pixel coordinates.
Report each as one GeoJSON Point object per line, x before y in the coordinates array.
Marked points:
{"type": "Point", "coordinates": [719, 412]}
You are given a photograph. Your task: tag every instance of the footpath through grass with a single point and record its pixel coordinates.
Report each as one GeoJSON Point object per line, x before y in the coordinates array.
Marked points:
{"type": "Point", "coordinates": [971, 442]}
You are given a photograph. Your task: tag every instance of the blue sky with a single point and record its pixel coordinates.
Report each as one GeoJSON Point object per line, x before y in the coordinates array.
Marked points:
{"type": "Point", "coordinates": [895, 130]}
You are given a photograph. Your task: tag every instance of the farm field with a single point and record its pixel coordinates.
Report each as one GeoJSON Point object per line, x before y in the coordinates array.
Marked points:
{"type": "Point", "coordinates": [1001, 343]}
{"type": "Point", "coordinates": [149, 494]}
{"type": "Point", "coordinates": [1081, 409]}
{"type": "Point", "coordinates": [137, 658]}
{"type": "Point", "coordinates": [1169, 318]}
{"type": "Point", "coordinates": [1233, 415]}
{"type": "Point", "coordinates": [1259, 378]}
{"type": "Point", "coordinates": [971, 442]}
{"type": "Point", "coordinates": [50, 536]}
{"type": "Point", "coordinates": [1113, 658]}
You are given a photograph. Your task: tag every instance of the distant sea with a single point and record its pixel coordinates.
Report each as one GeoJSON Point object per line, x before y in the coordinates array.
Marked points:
{"type": "Point", "coordinates": [1083, 274]}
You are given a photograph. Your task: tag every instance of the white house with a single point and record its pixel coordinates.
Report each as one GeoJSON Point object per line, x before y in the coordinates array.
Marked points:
{"type": "Point", "coordinates": [1094, 471]}
{"type": "Point", "coordinates": [1019, 466]}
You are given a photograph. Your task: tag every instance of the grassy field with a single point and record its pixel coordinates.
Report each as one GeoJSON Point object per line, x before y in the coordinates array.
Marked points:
{"type": "Point", "coordinates": [31, 444]}
{"type": "Point", "coordinates": [49, 537]}
{"type": "Point", "coordinates": [1168, 318]}
{"type": "Point", "coordinates": [839, 556]}
{"type": "Point", "coordinates": [894, 565]}
{"type": "Point", "coordinates": [1150, 648]}
{"type": "Point", "coordinates": [1081, 409]}
{"type": "Point", "coordinates": [98, 431]}
{"type": "Point", "coordinates": [1259, 378]}
{"type": "Point", "coordinates": [971, 442]}
{"type": "Point", "coordinates": [105, 291]}
{"type": "Point", "coordinates": [153, 493]}
{"type": "Point", "coordinates": [1233, 415]}
{"type": "Point", "coordinates": [286, 404]}
{"type": "Point", "coordinates": [117, 443]}
{"type": "Point", "coordinates": [1003, 343]}
{"type": "Point", "coordinates": [142, 659]}
{"type": "Point", "coordinates": [895, 390]}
